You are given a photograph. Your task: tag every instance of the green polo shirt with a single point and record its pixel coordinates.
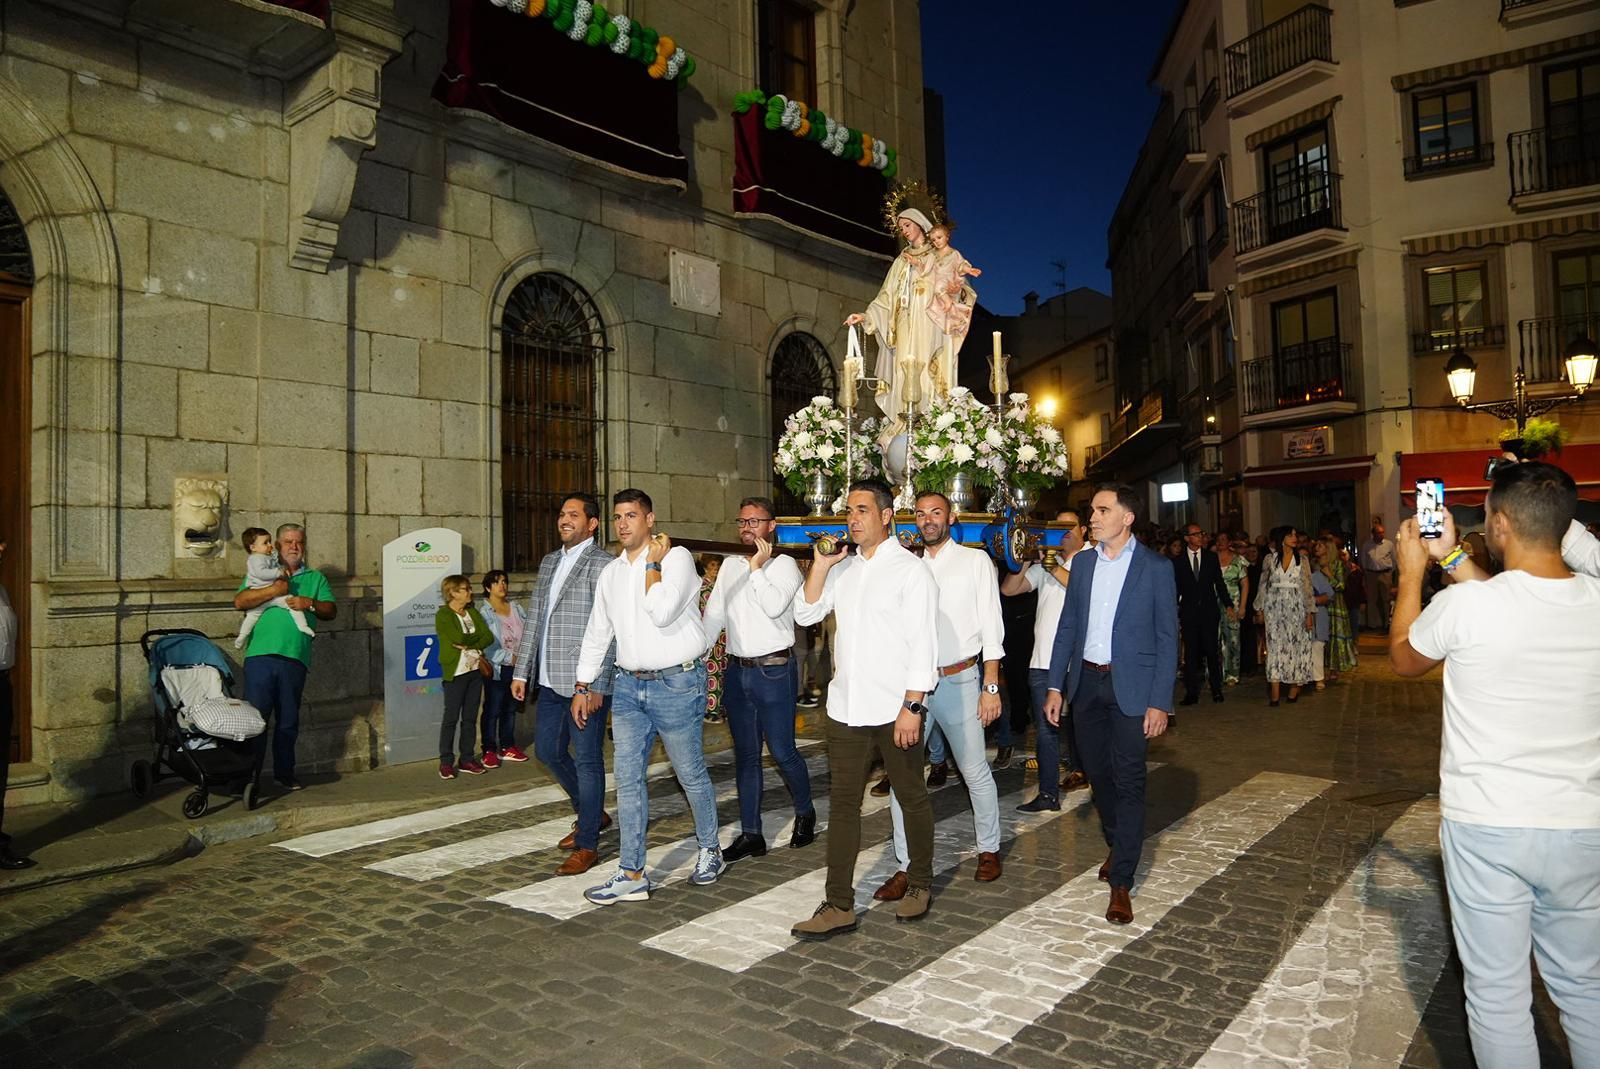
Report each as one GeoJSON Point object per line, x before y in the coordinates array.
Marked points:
{"type": "Point", "coordinates": [276, 632]}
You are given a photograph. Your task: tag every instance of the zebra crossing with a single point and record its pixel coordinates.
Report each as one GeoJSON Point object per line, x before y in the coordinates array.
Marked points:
{"type": "Point", "coordinates": [1346, 992]}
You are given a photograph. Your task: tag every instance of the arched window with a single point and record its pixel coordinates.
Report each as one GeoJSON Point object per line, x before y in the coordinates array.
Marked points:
{"type": "Point", "coordinates": [801, 370]}
{"type": "Point", "coordinates": [16, 393]}
{"type": "Point", "coordinates": [552, 346]}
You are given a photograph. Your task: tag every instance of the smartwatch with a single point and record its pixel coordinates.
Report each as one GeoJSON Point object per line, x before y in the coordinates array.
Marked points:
{"type": "Point", "coordinates": [916, 707]}
{"type": "Point", "coordinates": [991, 688]}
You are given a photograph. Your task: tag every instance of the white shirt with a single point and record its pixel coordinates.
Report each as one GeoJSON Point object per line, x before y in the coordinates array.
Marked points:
{"type": "Point", "coordinates": [757, 608]}
{"type": "Point", "coordinates": [8, 639]}
{"type": "Point", "coordinates": [1580, 549]}
{"type": "Point", "coordinates": [564, 566]}
{"type": "Point", "coordinates": [1047, 613]}
{"type": "Point", "coordinates": [653, 631]}
{"type": "Point", "coordinates": [1105, 593]}
{"type": "Point", "coordinates": [1521, 699]}
{"type": "Point", "coordinates": [969, 621]}
{"type": "Point", "coordinates": [882, 645]}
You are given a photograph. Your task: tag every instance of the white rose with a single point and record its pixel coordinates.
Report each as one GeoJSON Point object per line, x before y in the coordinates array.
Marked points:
{"type": "Point", "coordinates": [945, 420]}
{"type": "Point", "coordinates": [834, 425]}
{"type": "Point", "coordinates": [1027, 453]}
{"type": "Point", "coordinates": [961, 453]}
{"type": "Point", "coordinates": [826, 451]}
{"type": "Point", "coordinates": [1020, 399]}
{"type": "Point", "coordinates": [801, 439]}
{"type": "Point", "coordinates": [821, 402]}
{"type": "Point", "coordinates": [932, 454]}
{"type": "Point", "coordinates": [1062, 461]}
{"type": "Point", "coordinates": [994, 437]}
{"type": "Point", "coordinates": [958, 393]}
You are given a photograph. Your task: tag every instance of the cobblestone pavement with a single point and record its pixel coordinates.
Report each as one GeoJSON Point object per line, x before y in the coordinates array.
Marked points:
{"type": "Point", "coordinates": [1289, 913]}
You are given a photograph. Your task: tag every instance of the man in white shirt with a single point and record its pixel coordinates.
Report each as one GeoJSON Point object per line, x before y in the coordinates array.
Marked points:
{"type": "Point", "coordinates": [647, 601]}
{"type": "Point", "coordinates": [1377, 561]}
{"type": "Point", "coordinates": [883, 599]}
{"type": "Point", "coordinates": [754, 600]}
{"type": "Point", "coordinates": [1519, 772]}
{"type": "Point", "coordinates": [969, 639]}
{"type": "Point", "coordinates": [1051, 583]}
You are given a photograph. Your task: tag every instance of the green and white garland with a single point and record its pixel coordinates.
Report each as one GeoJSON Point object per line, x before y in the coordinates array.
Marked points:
{"type": "Point", "coordinates": [810, 124]}
{"type": "Point", "coordinates": [587, 22]}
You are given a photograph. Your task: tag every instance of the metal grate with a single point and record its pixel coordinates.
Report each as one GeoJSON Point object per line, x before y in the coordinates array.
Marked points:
{"type": "Point", "coordinates": [553, 347]}
{"type": "Point", "coordinates": [16, 259]}
{"type": "Point", "coordinates": [801, 370]}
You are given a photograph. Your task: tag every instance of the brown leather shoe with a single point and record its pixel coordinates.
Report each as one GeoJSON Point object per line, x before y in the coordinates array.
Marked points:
{"type": "Point", "coordinates": [1120, 911]}
{"type": "Point", "coordinates": [1074, 781]}
{"type": "Point", "coordinates": [579, 861]}
{"type": "Point", "coordinates": [881, 788]}
{"type": "Point", "coordinates": [569, 841]}
{"type": "Point", "coordinates": [988, 867]}
{"type": "Point", "coordinates": [1105, 869]}
{"type": "Point", "coordinates": [893, 889]}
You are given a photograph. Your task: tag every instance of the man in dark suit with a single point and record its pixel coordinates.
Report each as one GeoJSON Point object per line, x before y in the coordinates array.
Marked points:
{"type": "Point", "coordinates": [1122, 607]}
{"type": "Point", "coordinates": [1202, 595]}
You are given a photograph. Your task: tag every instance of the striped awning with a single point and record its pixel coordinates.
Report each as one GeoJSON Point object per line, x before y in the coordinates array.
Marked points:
{"type": "Point", "coordinates": [1298, 273]}
{"type": "Point", "coordinates": [1496, 61]}
{"type": "Point", "coordinates": [1504, 234]}
{"type": "Point", "coordinates": [1294, 122]}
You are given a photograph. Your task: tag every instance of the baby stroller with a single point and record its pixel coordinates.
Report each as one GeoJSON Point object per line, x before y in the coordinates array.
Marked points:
{"type": "Point", "coordinates": [202, 734]}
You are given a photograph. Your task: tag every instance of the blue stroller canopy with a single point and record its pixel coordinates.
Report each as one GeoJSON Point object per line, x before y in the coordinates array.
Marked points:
{"type": "Point", "coordinates": [171, 650]}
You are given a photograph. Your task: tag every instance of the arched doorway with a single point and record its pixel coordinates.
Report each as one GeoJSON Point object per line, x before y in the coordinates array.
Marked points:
{"type": "Point", "coordinates": [16, 286]}
{"type": "Point", "coordinates": [801, 370]}
{"type": "Point", "coordinates": [552, 348]}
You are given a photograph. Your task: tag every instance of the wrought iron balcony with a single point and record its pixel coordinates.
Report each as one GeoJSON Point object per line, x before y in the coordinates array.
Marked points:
{"type": "Point", "coordinates": [1209, 98]}
{"type": "Point", "coordinates": [1279, 47]}
{"type": "Point", "coordinates": [1452, 160]}
{"type": "Point", "coordinates": [1554, 158]}
{"type": "Point", "coordinates": [1298, 375]}
{"type": "Point", "coordinates": [1542, 344]}
{"type": "Point", "coordinates": [1306, 200]}
{"type": "Point", "coordinates": [1185, 137]}
{"type": "Point", "coordinates": [1444, 341]}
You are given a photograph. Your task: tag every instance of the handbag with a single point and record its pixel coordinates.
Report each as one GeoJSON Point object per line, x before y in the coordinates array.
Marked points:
{"type": "Point", "coordinates": [484, 667]}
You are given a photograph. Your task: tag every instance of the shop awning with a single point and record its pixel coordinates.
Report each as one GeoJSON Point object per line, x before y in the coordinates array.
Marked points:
{"type": "Point", "coordinates": [1462, 472]}
{"type": "Point", "coordinates": [1310, 472]}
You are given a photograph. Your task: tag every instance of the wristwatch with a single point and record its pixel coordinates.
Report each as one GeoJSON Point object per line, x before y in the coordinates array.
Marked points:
{"type": "Point", "coordinates": [991, 688]}
{"type": "Point", "coordinates": [652, 566]}
{"type": "Point", "coordinates": [917, 707]}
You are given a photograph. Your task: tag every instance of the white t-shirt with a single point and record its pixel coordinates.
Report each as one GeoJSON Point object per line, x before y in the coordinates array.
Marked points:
{"type": "Point", "coordinates": [1521, 699]}
{"type": "Point", "coordinates": [1052, 596]}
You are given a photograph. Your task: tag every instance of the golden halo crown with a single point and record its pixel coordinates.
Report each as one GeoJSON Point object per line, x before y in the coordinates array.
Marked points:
{"type": "Point", "coordinates": [916, 194]}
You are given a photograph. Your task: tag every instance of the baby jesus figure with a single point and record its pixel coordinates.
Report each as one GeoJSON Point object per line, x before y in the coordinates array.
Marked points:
{"type": "Point", "coordinates": [952, 301]}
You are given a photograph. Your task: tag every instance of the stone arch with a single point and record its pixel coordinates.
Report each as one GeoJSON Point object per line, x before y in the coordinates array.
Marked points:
{"type": "Point", "coordinates": [826, 382]}
{"type": "Point", "coordinates": [76, 344]}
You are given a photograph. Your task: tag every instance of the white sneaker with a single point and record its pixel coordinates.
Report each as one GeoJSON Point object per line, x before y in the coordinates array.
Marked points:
{"type": "Point", "coordinates": [620, 888]}
{"type": "Point", "coordinates": [708, 866]}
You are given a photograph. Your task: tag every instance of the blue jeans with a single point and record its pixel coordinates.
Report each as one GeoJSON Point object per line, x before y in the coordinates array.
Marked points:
{"type": "Point", "coordinates": [1515, 888]}
{"type": "Point", "coordinates": [673, 707]}
{"type": "Point", "coordinates": [584, 780]}
{"type": "Point", "coordinates": [759, 704]}
{"type": "Point", "coordinates": [275, 685]}
{"type": "Point", "coordinates": [499, 730]}
{"type": "Point", "coordinates": [937, 754]}
{"type": "Point", "coordinates": [1050, 739]}
{"type": "Point", "coordinates": [953, 706]}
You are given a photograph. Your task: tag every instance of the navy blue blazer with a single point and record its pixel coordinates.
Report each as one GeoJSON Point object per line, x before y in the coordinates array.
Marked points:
{"type": "Point", "coordinates": [1144, 632]}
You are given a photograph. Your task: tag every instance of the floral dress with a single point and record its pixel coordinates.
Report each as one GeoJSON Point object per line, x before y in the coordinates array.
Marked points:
{"type": "Point", "coordinates": [716, 660]}
{"type": "Point", "coordinates": [1233, 577]}
{"type": "Point", "coordinates": [1341, 644]}
{"type": "Point", "coordinates": [1286, 602]}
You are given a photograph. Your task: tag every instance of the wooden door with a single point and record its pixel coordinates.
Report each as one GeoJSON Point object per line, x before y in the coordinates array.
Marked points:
{"type": "Point", "coordinates": [14, 470]}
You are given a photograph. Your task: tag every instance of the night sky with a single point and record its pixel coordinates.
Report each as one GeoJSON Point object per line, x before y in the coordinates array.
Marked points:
{"type": "Point", "coordinates": [1046, 106]}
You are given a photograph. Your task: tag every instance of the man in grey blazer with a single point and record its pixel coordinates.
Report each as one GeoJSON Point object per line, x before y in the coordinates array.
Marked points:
{"type": "Point", "coordinates": [558, 612]}
{"type": "Point", "coordinates": [1115, 656]}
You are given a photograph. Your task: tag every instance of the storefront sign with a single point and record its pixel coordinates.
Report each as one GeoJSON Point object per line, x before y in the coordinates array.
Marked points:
{"type": "Point", "coordinates": [413, 690]}
{"type": "Point", "coordinates": [1308, 442]}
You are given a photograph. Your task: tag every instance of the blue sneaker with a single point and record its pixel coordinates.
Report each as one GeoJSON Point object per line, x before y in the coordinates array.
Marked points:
{"type": "Point", "coordinates": [620, 888]}
{"type": "Point", "coordinates": [708, 866]}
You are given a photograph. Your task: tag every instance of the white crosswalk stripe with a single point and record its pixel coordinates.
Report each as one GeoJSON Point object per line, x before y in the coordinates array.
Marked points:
{"type": "Point", "coordinates": [1351, 990]}
{"type": "Point", "coordinates": [339, 840]}
{"type": "Point", "coordinates": [667, 864]}
{"type": "Point", "coordinates": [488, 849]}
{"type": "Point", "coordinates": [982, 993]}
{"type": "Point", "coordinates": [738, 936]}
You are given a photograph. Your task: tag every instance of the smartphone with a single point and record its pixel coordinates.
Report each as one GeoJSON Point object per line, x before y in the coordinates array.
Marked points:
{"type": "Point", "coordinates": [1430, 507]}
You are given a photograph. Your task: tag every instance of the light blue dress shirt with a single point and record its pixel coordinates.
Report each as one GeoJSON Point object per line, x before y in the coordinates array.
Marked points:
{"type": "Point", "coordinates": [1105, 592]}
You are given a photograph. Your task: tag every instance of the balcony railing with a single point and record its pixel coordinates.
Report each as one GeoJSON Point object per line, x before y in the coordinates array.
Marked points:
{"type": "Point", "coordinates": [1303, 201]}
{"type": "Point", "coordinates": [1208, 99]}
{"type": "Point", "coordinates": [1556, 157]}
{"type": "Point", "coordinates": [1444, 341]}
{"type": "Point", "coordinates": [1185, 137]}
{"type": "Point", "coordinates": [1198, 417]}
{"type": "Point", "coordinates": [1542, 343]}
{"type": "Point", "coordinates": [1298, 375]}
{"type": "Point", "coordinates": [1277, 48]}
{"type": "Point", "coordinates": [1092, 455]}
{"type": "Point", "coordinates": [1451, 160]}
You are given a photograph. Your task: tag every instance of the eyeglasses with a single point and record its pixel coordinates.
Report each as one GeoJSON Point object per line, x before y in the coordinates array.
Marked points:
{"type": "Point", "coordinates": [750, 523]}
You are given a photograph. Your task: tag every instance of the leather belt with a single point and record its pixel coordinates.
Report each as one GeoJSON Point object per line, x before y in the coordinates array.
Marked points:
{"type": "Point", "coordinates": [958, 667]}
{"type": "Point", "coordinates": [1091, 666]}
{"type": "Point", "coordinates": [766, 660]}
{"type": "Point", "coordinates": [660, 673]}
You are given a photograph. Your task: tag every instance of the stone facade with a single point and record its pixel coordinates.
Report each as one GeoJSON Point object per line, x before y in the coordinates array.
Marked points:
{"type": "Point", "coordinates": [282, 266]}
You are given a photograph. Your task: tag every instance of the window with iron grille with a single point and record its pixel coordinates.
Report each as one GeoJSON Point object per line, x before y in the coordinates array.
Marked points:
{"type": "Point", "coordinates": [801, 370]}
{"type": "Point", "coordinates": [552, 359]}
{"type": "Point", "coordinates": [1455, 305]}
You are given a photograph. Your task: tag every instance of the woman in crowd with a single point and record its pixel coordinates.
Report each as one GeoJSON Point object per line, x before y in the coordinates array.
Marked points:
{"type": "Point", "coordinates": [505, 619]}
{"type": "Point", "coordinates": [1341, 641]}
{"type": "Point", "coordinates": [1235, 576]}
{"type": "Point", "coordinates": [1285, 604]}
{"type": "Point", "coordinates": [462, 636]}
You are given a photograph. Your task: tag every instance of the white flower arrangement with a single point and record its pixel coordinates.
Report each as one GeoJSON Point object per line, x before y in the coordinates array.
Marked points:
{"type": "Point", "coordinates": [957, 435]}
{"type": "Point", "coordinates": [1033, 453]}
{"type": "Point", "coordinates": [813, 443]}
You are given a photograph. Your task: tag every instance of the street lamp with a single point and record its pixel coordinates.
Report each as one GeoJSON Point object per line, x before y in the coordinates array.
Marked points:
{"type": "Point", "coordinates": [1462, 372]}
{"type": "Point", "coordinates": [1047, 407]}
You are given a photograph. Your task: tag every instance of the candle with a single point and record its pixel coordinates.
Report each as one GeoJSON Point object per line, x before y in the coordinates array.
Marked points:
{"type": "Point", "coordinates": [847, 390]}
{"type": "Point", "coordinates": [997, 375]}
{"type": "Point", "coordinates": [997, 345]}
{"type": "Point", "coordinates": [911, 378]}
